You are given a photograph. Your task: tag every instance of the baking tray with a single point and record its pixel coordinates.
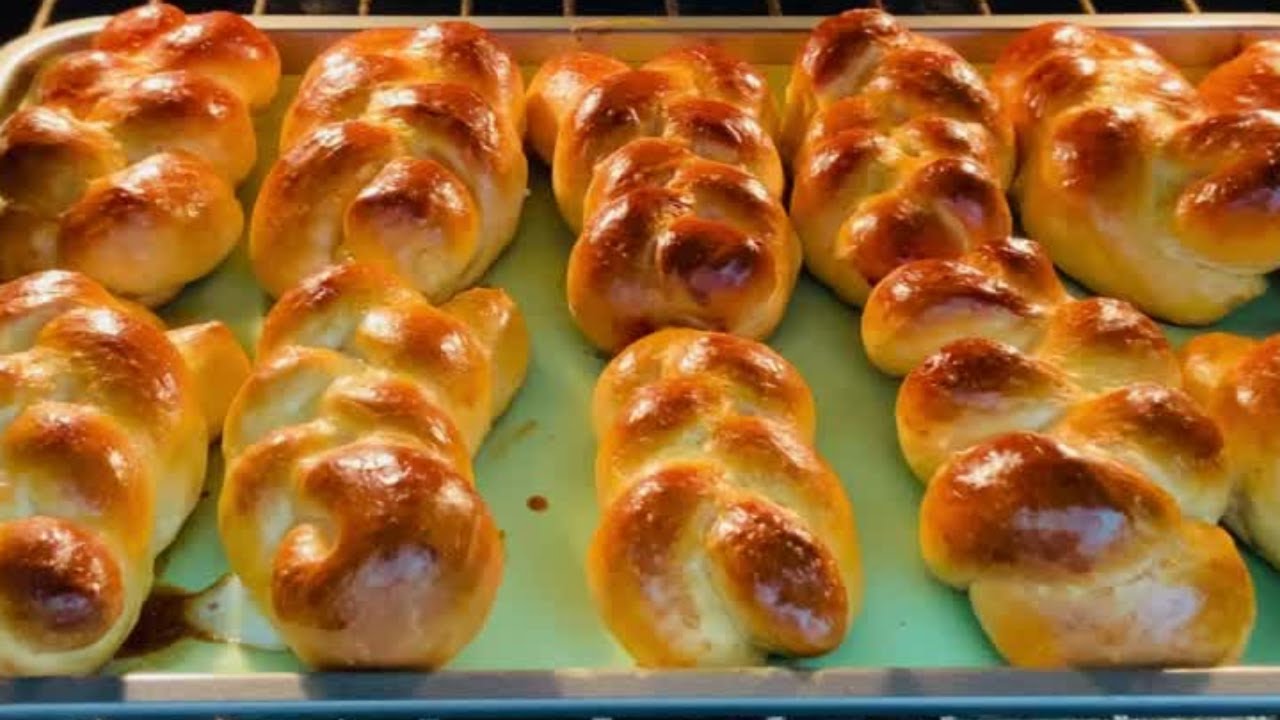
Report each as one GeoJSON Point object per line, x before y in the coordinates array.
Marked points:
{"type": "Point", "coordinates": [916, 648]}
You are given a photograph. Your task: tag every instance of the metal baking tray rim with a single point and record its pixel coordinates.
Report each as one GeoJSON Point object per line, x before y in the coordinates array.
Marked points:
{"type": "Point", "coordinates": [755, 691]}
{"type": "Point", "coordinates": [758, 692]}
{"type": "Point", "coordinates": [18, 57]}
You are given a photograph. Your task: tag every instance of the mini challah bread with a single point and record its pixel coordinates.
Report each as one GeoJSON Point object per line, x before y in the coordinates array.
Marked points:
{"type": "Point", "coordinates": [724, 537]}
{"type": "Point", "coordinates": [672, 169]}
{"type": "Point", "coordinates": [349, 509]}
{"type": "Point", "coordinates": [699, 97]}
{"type": "Point", "coordinates": [1071, 560]}
{"type": "Point", "coordinates": [898, 149]}
{"type": "Point", "coordinates": [1238, 380]}
{"type": "Point", "coordinates": [104, 448]}
{"type": "Point", "coordinates": [1061, 457]}
{"type": "Point", "coordinates": [1138, 186]}
{"type": "Point", "coordinates": [402, 150]}
{"type": "Point", "coordinates": [123, 165]}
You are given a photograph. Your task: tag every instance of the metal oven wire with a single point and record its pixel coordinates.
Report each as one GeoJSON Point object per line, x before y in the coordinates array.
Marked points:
{"type": "Point", "coordinates": [46, 12]}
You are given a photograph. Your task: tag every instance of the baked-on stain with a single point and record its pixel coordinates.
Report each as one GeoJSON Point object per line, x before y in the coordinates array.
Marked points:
{"type": "Point", "coordinates": [537, 503]}
{"type": "Point", "coordinates": [162, 622]}
{"type": "Point", "coordinates": [501, 444]}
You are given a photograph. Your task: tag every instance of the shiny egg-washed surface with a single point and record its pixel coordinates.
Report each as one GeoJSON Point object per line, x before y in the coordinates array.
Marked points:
{"type": "Point", "coordinates": [544, 447]}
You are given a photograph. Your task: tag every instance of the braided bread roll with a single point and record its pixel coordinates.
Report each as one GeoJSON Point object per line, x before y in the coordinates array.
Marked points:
{"type": "Point", "coordinates": [349, 509]}
{"type": "Point", "coordinates": [1237, 379]}
{"type": "Point", "coordinates": [104, 447]}
{"type": "Point", "coordinates": [992, 343]}
{"type": "Point", "coordinates": [1139, 187]}
{"type": "Point", "coordinates": [1074, 560]}
{"type": "Point", "coordinates": [724, 536]}
{"type": "Point", "coordinates": [123, 166]}
{"type": "Point", "coordinates": [402, 150]}
{"type": "Point", "coordinates": [1072, 486]}
{"type": "Point", "coordinates": [671, 177]}
{"type": "Point", "coordinates": [584, 106]}
{"type": "Point", "coordinates": [898, 149]}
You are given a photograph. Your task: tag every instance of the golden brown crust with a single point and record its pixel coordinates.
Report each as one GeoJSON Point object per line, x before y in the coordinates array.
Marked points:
{"type": "Point", "coordinates": [1095, 373]}
{"type": "Point", "coordinates": [402, 150]}
{"type": "Point", "coordinates": [169, 212]}
{"type": "Point", "coordinates": [79, 81]}
{"type": "Point", "coordinates": [757, 377]}
{"type": "Point", "coordinates": [1074, 561]}
{"type": "Point", "coordinates": [1068, 458]}
{"type": "Point", "coordinates": [1103, 343]}
{"type": "Point", "coordinates": [220, 45]}
{"type": "Point", "coordinates": [1249, 81]}
{"type": "Point", "coordinates": [898, 150]}
{"type": "Point", "coordinates": [349, 508]}
{"type": "Point", "coordinates": [724, 536]}
{"type": "Point", "coordinates": [713, 73]}
{"type": "Point", "coordinates": [1061, 459]}
{"type": "Point", "coordinates": [1072, 485]}
{"type": "Point", "coordinates": [341, 81]}
{"type": "Point", "coordinates": [396, 547]}
{"type": "Point", "coordinates": [302, 206]}
{"type": "Point", "coordinates": [1139, 186]}
{"type": "Point", "coordinates": [1104, 514]}
{"type": "Point", "coordinates": [1005, 290]}
{"type": "Point", "coordinates": [556, 89]}
{"type": "Point", "coordinates": [675, 240]}
{"type": "Point", "coordinates": [670, 176]}
{"type": "Point", "coordinates": [1238, 380]}
{"type": "Point", "coordinates": [1162, 434]}
{"type": "Point", "coordinates": [60, 587]}
{"type": "Point", "coordinates": [972, 390]}
{"type": "Point", "coordinates": [645, 103]}
{"type": "Point", "coordinates": [49, 160]}
{"type": "Point", "coordinates": [124, 165]}
{"type": "Point", "coordinates": [218, 365]}
{"type": "Point", "coordinates": [699, 97]}
{"type": "Point", "coordinates": [1208, 358]}
{"type": "Point", "coordinates": [105, 447]}
{"type": "Point", "coordinates": [181, 111]}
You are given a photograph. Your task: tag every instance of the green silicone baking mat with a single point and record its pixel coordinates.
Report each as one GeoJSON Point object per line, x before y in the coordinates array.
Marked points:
{"type": "Point", "coordinates": [535, 471]}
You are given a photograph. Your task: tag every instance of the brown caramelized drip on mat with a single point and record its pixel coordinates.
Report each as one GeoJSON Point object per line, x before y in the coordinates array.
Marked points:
{"type": "Point", "coordinates": [537, 503]}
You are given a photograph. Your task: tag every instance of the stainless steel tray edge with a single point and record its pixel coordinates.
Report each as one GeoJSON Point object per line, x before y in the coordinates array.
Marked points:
{"type": "Point", "coordinates": [1220, 34]}
{"type": "Point", "coordinates": [769, 692]}
{"type": "Point", "coordinates": [591, 693]}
